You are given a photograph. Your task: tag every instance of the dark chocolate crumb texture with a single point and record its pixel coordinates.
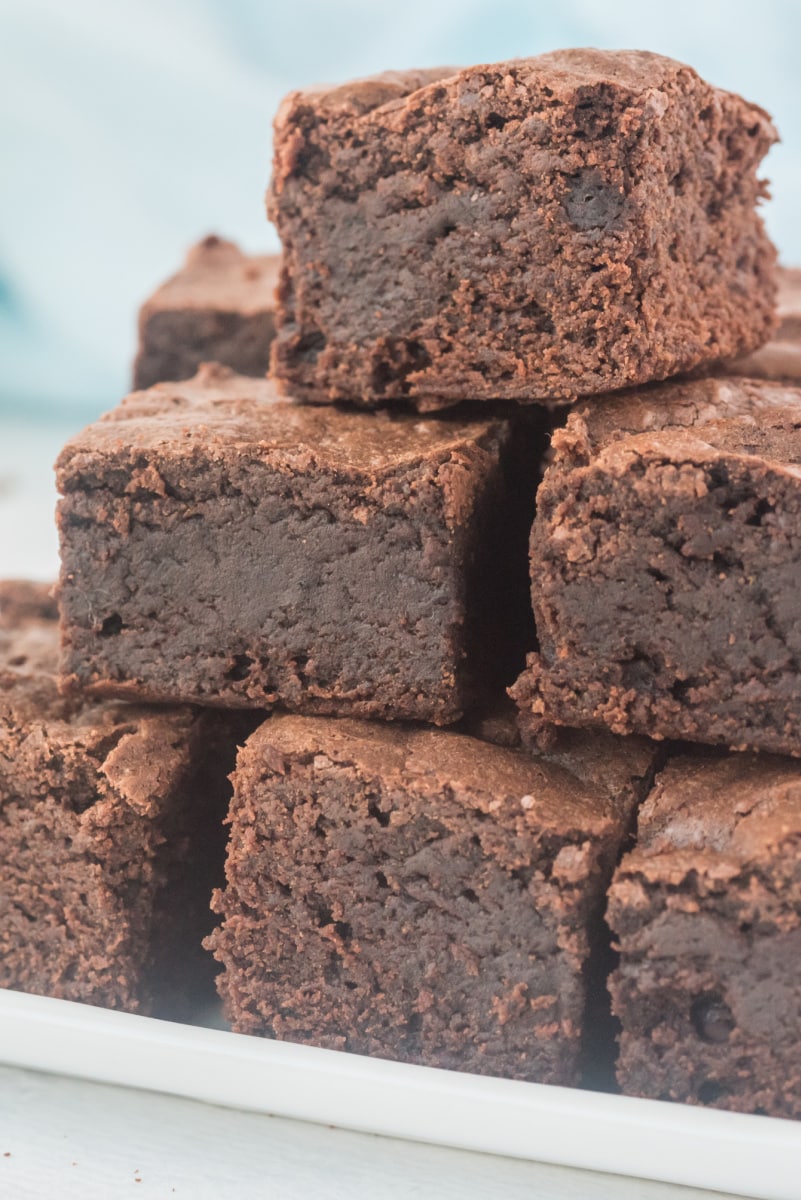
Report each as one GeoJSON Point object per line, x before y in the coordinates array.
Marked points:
{"type": "Point", "coordinates": [223, 547]}
{"type": "Point", "coordinates": [421, 895]}
{"type": "Point", "coordinates": [707, 913]}
{"type": "Point", "coordinates": [543, 228]}
{"type": "Point", "coordinates": [666, 568]}
{"type": "Point", "coordinates": [109, 816]}
{"type": "Point", "coordinates": [220, 306]}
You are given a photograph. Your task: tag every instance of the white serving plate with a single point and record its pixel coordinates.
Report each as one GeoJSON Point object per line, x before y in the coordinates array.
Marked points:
{"type": "Point", "coordinates": [673, 1143]}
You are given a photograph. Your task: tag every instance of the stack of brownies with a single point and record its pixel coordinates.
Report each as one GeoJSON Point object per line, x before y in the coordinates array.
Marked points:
{"type": "Point", "coordinates": [320, 582]}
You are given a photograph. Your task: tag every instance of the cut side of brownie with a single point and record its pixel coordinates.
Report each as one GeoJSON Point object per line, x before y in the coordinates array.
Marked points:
{"type": "Point", "coordinates": [223, 547]}
{"type": "Point", "coordinates": [420, 895]}
{"type": "Point", "coordinates": [110, 831]}
{"type": "Point", "coordinates": [666, 567]}
{"type": "Point", "coordinates": [537, 229]}
{"type": "Point", "coordinates": [707, 913]}
{"type": "Point", "coordinates": [220, 306]}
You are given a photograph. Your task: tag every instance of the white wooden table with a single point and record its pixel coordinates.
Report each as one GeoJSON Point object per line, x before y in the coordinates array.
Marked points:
{"type": "Point", "coordinates": [66, 1138]}
{"type": "Point", "coordinates": [60, 1137]}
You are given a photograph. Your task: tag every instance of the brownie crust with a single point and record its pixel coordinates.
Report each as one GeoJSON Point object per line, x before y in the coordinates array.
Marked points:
{"type": "Point", "coordinates": [420, 895]}
{"type": "Point", "coordinates": [665, 566]}
{"type": "Point", "coordinates": [222, 547]}
{"type": "Point", "coordinates": [220, 306]}
{"type": "Point", "coordinates": [707, 913]}
{"type": "Point", "coordinates": [537, 229]}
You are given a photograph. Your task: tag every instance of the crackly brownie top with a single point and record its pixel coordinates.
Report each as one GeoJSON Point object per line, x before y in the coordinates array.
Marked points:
{"type": "Point", "coordinates": [577, 788]}
{"type": "Point", "coordinates": [736, 415]}
{"type": "Point", "coordinates": [717, 814]}
{"type": "Point", "coordinates": [217, 275]}
{"type": "Point", "coordinates": [563, 72]}
{"type": "Point", "coordinates": [218, 412]}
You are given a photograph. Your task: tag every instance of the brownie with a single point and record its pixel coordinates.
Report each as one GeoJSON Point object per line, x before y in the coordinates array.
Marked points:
{"type": "Point", "coordinates": [666, 567]}
{"type": "Point", "coordinates": [535, 229]}
{"type": "Point", "coordinates": [780, 359]}
{"type": "Point", "coordinates": [220, 306]}
{"type": "Point", "coordinates": [420, 895]}
{"type": "Point", "coordinates": [223, 547]}
{"type": "Point", "coordinates": [707, 913]}
{"type": "Point", "coordinates": [110, 831]}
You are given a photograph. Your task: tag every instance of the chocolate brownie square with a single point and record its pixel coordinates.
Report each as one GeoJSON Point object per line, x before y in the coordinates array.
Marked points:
{"type": "Point", "coordinates": [222, 547]}
{"type": "Point", "coordinates": [421, 895]}
{"type": "Point", "coordinates": [707, 913]}
{"type": "Point", "coordinates": [220, 306]}
{"type": "Point", "coordinates": [535, 229]}
{"type": "Point", "coordinates": [110, 831]}
{"type": "Point", "coordinates": [666, 568]}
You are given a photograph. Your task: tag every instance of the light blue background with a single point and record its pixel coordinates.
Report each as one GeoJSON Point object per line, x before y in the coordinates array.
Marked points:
{"type": "Point", "coordinates": [129, 128]}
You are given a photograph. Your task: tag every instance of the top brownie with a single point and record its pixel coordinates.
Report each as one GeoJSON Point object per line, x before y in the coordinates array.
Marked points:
{"type": "Point", "coordinates": [219, 306]}
{"type": "Point", "coordinates": [538, 229]}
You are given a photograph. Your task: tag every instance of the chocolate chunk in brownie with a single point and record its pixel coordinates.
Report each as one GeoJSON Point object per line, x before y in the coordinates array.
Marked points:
{"type": "Point", "coordinates": [110, 831]}
{"type": "Point", "coordinates": [220, 306]}
{"type": "Point", "coordinates": [535, 229]}
{"type": "Point", "coordinates": [222, 547]}
{"type": "Point", "coordinates": [418, 894]}
{"type": "Point", "coordinates": [707, 913]}
{"type": "Point", "coordinates": [666, 567]}
{"type": "Point", "coordinates": [780, 359]}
